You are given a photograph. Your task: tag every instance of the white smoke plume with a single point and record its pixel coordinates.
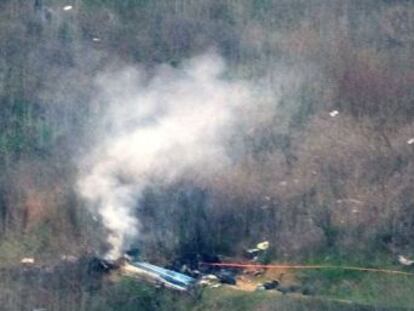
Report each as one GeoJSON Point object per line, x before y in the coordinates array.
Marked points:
{"type": "Point", "coordinates": [157, 126]}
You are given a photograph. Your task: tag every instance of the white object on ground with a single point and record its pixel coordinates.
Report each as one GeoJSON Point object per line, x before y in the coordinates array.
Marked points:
{"type": "Point", "coordinates": [210, 277]}
{"type": "Point", "coordinates": [405, 261]}
{"type": "Point", "coordinates": [27, 260]}
{"type": "Point", "coordinates": [334, 113]}
{"type": "Point", "coordinates": [263, 245]}
{"type": "Point", "coordinates": [410, 141]}
{"type": "Point", "coordinates": [67, 8]}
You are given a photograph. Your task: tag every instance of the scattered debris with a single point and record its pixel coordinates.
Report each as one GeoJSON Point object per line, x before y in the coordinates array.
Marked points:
{"type": "Point", "coordinates": [253, 251]}
{"type": "Point", "coordinates": [334, 113]}
{"type": "Point", "coordinates": [133, 254]}
{"type": "Point", "coordinates": [255, 272]}
{"type": "Point", "coordinates": [258, 253]}
{"type": "Point", "coordinates": [273, 284]}
{"type": "Point", "coordinates": [67, 8]}
{"type": "Point", "coordinates": [158, 275]}
{"type": "Point", "coordinates": [95, 39]}
{"type": "Point", "coordinates": [227, 277]}
{"type": "Point", "coordinates": [405, 261]}
{"type": "Point", "coordinates": [410, 141]}
{"type": "Point", "coordinates": [28, 261]}
{"type": "Point", "coordinates": [186, 270]}
{"type": "Point", "coordinates": [210, 277]}
{"type": "Point", "coordinates": [263, 245]}
{"type": "Point", "coordinates": [209, 280]}
{"type": "Point", "coordinates": [259, 272]}
{"type": "Point", "coordinates": [99, 265]}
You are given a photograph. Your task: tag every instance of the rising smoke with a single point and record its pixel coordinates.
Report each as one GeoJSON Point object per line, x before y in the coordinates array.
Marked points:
{"type": "Point", "coordinates": [157, 126]}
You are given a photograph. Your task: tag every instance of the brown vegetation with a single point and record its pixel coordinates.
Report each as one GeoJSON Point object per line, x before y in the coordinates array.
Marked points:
{"type": "Point", "coordinates": [302, 179]}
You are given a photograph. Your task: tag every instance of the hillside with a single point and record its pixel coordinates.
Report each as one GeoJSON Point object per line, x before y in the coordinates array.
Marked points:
{"type": "Point", "coordinates": [197, 129]}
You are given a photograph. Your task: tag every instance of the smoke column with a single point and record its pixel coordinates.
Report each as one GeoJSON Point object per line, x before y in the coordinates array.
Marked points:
{"type": "Point", "coordinates": [157, 126]}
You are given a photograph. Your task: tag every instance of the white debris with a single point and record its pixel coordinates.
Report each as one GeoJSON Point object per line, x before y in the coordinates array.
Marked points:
{"type": "Point", "coordinates": [334, 113]}
{"type": "Point", "coordinates": [27, 260]}
{"type": "Point", "coordinates": [405, 261]}
{"type": "Point", "coordinates": [410, 141]}
{"type": "Point", "coordinates": [253, 250]}
{"type": "Point", "coordinates": [204, 283]}
{"type": "Point", "coordinates": [209, 280]}
{"type": "Point", "coordinates": [263, 245]}
{"type": "Point", "coordinates": [67, 8]}
{"type": "Point", "coordinates": [210, 277]}
{"type": "Point", "coordinates": [95, 39]}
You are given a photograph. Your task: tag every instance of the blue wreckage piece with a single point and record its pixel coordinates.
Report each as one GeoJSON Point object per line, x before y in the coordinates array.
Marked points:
{"type": "Point", "coordinates": [169, 278]}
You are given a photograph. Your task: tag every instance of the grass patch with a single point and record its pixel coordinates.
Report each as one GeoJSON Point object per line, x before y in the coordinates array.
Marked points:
{"type": "Point", "coordinates": [224, 299]}
{"type": "Point", "coordinates": [377, 289]}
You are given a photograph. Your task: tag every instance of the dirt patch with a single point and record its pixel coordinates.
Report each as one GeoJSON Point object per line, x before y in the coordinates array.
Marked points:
{"type": "Point", "coordinates": [251, 278]}
{"type": "Point", "coordinates": [285, 276]}
{"type": "Point", "coordinates": [246, 283]}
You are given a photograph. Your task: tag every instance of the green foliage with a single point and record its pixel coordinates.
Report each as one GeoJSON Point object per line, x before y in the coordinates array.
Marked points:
{"type": "Point", "coordinates": [130, 295]}
{"type": "Point", "coordinates": [377, 289]}
{"type": "Point", "coordinates": [227, 299]}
